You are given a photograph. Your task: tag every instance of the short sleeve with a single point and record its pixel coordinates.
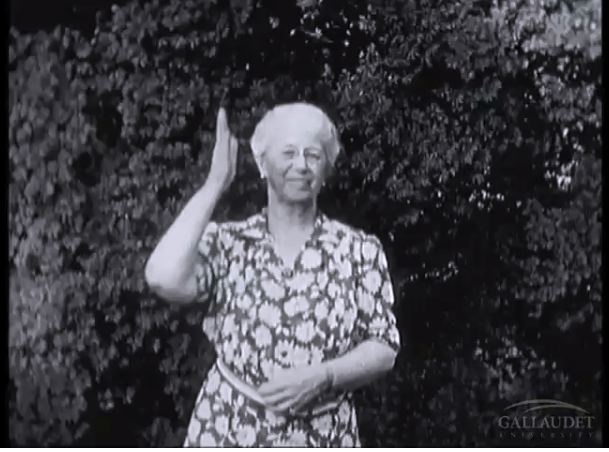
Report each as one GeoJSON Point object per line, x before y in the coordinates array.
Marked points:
{"type": "Point", "coordinates": [375, 298]}
{"type": "Point", "coordinates": [208, 265]}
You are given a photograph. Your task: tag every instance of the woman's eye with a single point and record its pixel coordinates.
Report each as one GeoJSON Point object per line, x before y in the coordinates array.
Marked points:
{"type": "Point", "coordinates": [313, 156]}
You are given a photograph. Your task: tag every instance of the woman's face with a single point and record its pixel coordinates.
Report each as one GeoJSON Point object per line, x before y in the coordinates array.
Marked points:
{"type": "Point", "coordinates": [295, 163]}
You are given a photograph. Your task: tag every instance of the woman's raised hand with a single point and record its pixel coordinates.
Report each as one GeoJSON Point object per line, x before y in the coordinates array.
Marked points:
{"type": "Point", "coordinates": [224, 159]}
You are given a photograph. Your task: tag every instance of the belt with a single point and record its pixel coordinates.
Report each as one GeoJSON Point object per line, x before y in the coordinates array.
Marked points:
{"type": "Point", "coordinates": [249, 392]}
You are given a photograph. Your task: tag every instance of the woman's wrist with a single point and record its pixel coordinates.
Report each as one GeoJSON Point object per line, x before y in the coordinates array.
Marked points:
{"type": "Point", "coordinates": [328, 378]}
{"type": "Point", "coordinates": [324, 378]}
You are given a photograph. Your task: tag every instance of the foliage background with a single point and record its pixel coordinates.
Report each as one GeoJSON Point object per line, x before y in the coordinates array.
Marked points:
{"type": "Point", "coordinates": [473, 144]}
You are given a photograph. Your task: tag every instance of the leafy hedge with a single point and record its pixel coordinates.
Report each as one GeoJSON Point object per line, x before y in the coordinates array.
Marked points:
{"type": "Point", "coordinates": [457, 118]}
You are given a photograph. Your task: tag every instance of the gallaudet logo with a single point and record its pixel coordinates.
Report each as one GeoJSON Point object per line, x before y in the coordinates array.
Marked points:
{"type": "Point", "coordinates": [546, 418]}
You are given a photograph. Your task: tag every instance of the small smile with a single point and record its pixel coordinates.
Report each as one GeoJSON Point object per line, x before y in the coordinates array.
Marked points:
{"type": "Point", "coordinates": [300, 181]}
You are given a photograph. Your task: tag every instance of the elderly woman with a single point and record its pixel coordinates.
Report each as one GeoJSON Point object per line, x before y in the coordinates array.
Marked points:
{"type": "Point", "coordinates": [299, 305]}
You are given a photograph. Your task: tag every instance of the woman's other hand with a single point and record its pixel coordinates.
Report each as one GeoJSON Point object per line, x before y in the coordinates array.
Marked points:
{"type": "Point", "coordinates": [224, 159]}
{"type": "Point", "coordinates": [291, 390]}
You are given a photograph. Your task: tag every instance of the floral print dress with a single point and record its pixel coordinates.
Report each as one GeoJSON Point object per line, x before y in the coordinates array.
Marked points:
{"type": "Point", "coordinates": [263, 316]}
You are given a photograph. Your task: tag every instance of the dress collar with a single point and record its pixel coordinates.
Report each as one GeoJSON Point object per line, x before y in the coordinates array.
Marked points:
{"type": "Point", "coordinates": [257, 228]}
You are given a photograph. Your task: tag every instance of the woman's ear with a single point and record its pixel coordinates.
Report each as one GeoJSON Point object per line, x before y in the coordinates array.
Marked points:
{"type": "Point", "coordinates": [261, 165]}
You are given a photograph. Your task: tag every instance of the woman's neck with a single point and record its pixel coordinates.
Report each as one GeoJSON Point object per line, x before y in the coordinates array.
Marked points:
{"type": "Point", "coordinates": [287, 219]}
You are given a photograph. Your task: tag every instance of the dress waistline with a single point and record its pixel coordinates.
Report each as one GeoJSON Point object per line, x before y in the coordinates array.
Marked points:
{"type": "Point", "coordinates": [248, 391]}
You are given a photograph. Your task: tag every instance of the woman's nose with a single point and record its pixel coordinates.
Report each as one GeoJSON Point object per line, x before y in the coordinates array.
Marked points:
{"type": "Point", "coordinates": [300, 161]}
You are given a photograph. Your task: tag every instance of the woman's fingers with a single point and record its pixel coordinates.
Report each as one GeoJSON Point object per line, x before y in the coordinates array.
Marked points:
{"type": "Point", "coordinates": [233, 146]}
{"type": "Point", "coordinates": [288, 406]}
{"type": "Point", "coordinates": [222, 124]}
{"type": "Point", "coordinates": [272, 387]}
{"type": "Point", "coordinates": [277, 397]}
{"type": "Point", "coordinates": [224, 159]}
{"type": "Point", "coordinates": [283, 393]}
{"type": "Point", "coordinates": [267, 388]}
{"type": "Point", "coordinates": [301, 404]}
{"type": "Point", "coordinates": [285, 401]}
{"type": "Point", "coordinates": [223, 135]}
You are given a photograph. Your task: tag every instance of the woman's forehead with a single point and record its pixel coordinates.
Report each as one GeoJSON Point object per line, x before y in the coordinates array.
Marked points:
{"type": "Point", "coordinates": [300, 135]}
{"type": "Point", "coordinates": [302, 118]}
{"type": "Point", "coordinates": [297, 130]}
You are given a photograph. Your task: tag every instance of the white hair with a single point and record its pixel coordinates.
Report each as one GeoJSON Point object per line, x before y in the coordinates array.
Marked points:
{"type": "Point", "coordinates": [271, 125]}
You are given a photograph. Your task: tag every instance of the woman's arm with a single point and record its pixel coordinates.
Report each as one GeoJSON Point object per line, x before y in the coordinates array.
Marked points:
{"type": "Point", "coordinates": [170, 271]}
{"type": "Point", "coordinates": [375, 325]}
{"type": "Point", "coordinates": [293, 389]}
{"type": "Point", "coordinates": [362, 365]}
